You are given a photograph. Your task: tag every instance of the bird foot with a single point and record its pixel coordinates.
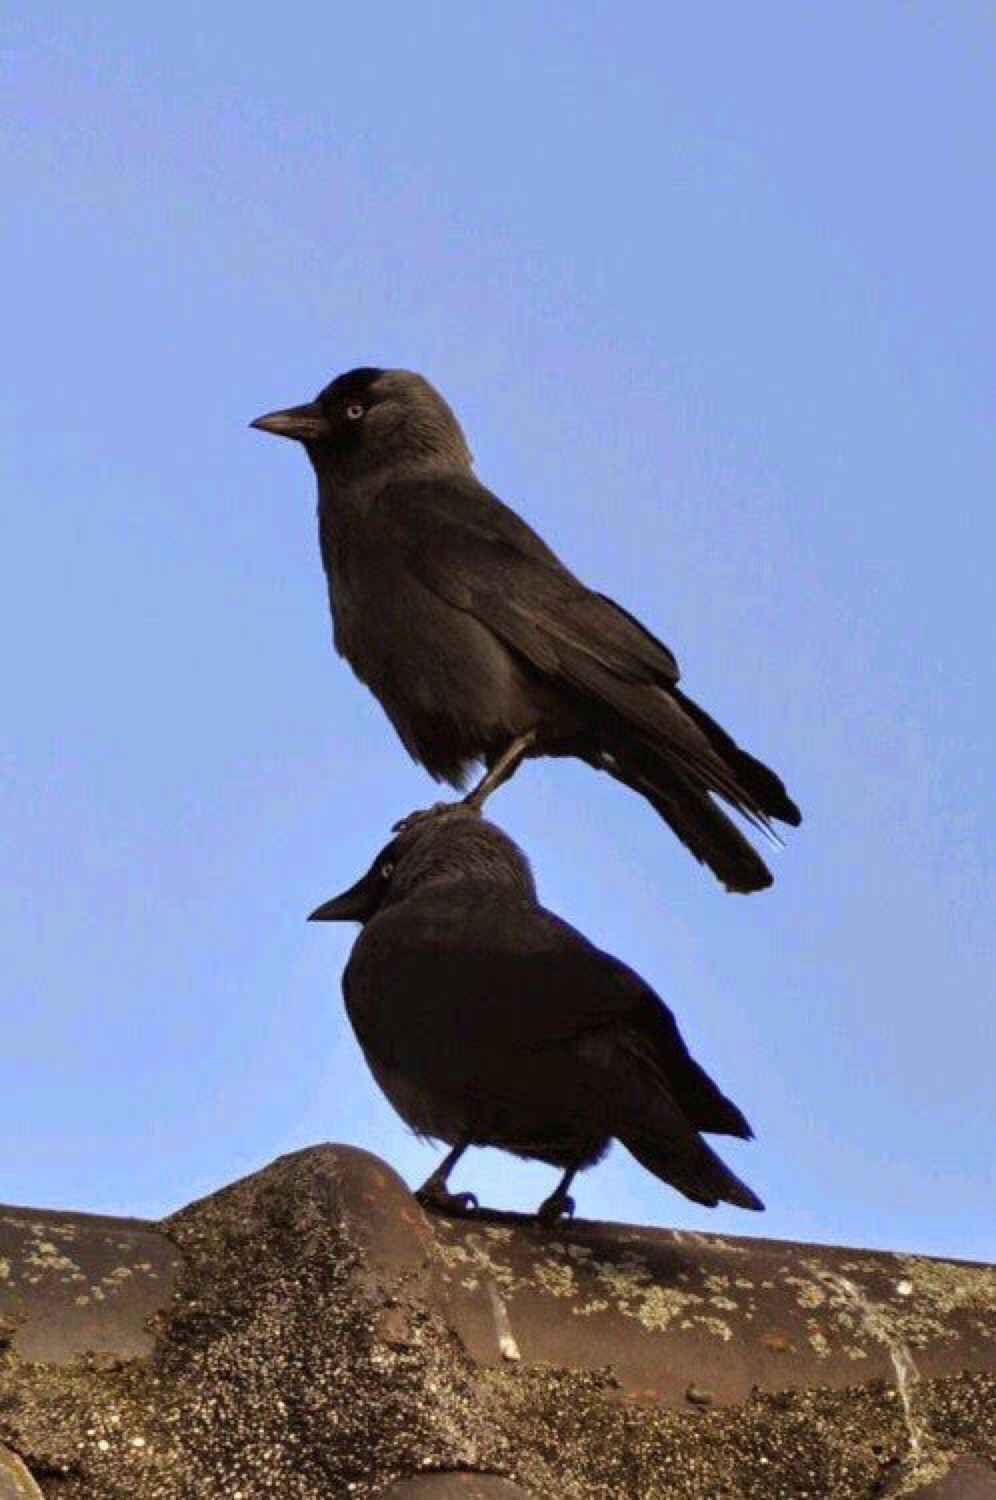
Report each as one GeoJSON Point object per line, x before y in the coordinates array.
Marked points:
{"type": "Point", "coordinates": [558, 1206]}
{"type": "Point", "coordinates": [460, 1205]}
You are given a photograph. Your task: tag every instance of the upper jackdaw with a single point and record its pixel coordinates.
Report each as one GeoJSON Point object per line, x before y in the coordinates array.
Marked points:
{"type": "Point", "coordinates": [488, 1021]}
{"type": "Point", "coordinates": [482, 646]}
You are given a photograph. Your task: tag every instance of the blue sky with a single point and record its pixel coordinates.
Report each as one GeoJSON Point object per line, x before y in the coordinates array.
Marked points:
{"type": "Point", "coordinates": [711, 288]}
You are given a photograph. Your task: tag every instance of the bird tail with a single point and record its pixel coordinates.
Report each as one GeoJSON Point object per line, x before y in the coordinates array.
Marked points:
{"type": "Point", "coordinates": [696, 1171]}
{"type": "Point", "coordinates": [765, 790]}
{"type": "Point", "coordinates": [691, 813]}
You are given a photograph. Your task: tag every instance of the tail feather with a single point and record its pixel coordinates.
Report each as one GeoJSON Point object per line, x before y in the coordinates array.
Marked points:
{"type": "Point", "coordinates": [693, 816]}
{"type": "Point", "coordinates": [696, 1171]}
{"type": "Point", "coordinates": [764, 787]}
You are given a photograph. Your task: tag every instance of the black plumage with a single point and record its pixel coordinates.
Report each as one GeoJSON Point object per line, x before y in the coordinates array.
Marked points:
{"type": "Point", "coordinates": [479, 643]}
{"type": "Point", "coordinates": [489, 1021]}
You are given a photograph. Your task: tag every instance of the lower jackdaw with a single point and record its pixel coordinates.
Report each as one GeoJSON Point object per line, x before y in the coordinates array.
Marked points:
{"type": "Point", "coordinates": [481, 646]}
{"type": "Point", "coordinates": [488, 1021]}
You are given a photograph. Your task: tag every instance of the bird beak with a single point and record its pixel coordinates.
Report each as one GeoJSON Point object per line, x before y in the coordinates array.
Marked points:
{"type": "Point", "coordinates": [306, 423]}
{"type": "Point", "coordinates": [358, 904]}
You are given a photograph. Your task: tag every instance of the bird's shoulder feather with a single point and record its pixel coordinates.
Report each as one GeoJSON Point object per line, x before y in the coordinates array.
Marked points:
{"type": "Point", "coordinates": [474, 551]}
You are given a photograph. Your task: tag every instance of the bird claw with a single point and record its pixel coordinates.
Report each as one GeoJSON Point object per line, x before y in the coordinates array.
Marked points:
{"type": "Point", "coordinates": [459, 1205]}
{"type": "Point", "coordinates": [558, 1206]}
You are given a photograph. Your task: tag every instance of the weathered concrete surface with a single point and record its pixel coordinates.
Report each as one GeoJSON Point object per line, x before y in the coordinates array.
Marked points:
{"type": "Point", "coordinates": [70, 1283]}
{"type": "Point", "coordinates": [314, 1334]}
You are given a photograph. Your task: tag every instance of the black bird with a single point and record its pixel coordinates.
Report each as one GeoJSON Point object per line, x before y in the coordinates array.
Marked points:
{"type": "Point", "coordinates": [478, 642]}
{"type": "Point", "coordinates": [488, 1021]}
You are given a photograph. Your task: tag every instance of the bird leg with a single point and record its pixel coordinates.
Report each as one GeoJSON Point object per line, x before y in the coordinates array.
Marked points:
{"type": "Point", "coordinates": [503, 770]}
{"type": "Point", "coordinates": [560, 1204]}
{"type": "Point", "coordinates": [434, 1194]}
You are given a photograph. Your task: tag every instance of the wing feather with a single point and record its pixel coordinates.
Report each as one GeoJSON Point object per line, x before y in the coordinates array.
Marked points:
{"type": "Point", "coordinates": [478, 555]}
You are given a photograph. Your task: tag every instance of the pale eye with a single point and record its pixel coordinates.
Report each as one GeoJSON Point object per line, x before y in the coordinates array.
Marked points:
{"type": "Point", "coordinates": [386, 871]}
{"type": "Point", "coordinates": [354, 412]}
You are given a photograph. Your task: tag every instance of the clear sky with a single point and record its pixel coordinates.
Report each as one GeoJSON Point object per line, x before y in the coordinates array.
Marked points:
{"type": "Point", "coordinates": [711, 287]}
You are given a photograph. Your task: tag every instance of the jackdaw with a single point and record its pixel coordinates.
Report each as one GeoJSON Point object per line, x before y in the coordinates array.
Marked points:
{"type": "Point", "coordinates": [482, 647]}
{"type": "Point", "coordinates": [488, 1021]}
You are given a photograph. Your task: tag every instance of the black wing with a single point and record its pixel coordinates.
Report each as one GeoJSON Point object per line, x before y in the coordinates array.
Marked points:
{"type": "Point", "coordinates": [471, 550]}
{"type": "Point", "coordinates": [475, 552]}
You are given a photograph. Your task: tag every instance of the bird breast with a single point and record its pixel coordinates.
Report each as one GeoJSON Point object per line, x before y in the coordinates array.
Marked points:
{"type": "Point", "coordinates": [450, 688]}
{"type": "Point", "coordinates": [428, 1113]}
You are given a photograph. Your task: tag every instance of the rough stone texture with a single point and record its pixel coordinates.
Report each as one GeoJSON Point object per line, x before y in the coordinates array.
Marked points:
{"type": "Point", "coordinates": [314, 1334]}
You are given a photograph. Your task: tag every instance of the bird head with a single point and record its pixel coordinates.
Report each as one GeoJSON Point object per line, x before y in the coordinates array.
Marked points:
{"type": "Point", "coordinates": [370, 422]}
{"type": "Point", "coordinates": [440, 849]}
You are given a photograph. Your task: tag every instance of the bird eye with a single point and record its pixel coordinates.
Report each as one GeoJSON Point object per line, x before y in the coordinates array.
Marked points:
{"type": "Point", "coordinates": [386, 871]}
{"type": "Point", "coordinates": [354, 412]}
